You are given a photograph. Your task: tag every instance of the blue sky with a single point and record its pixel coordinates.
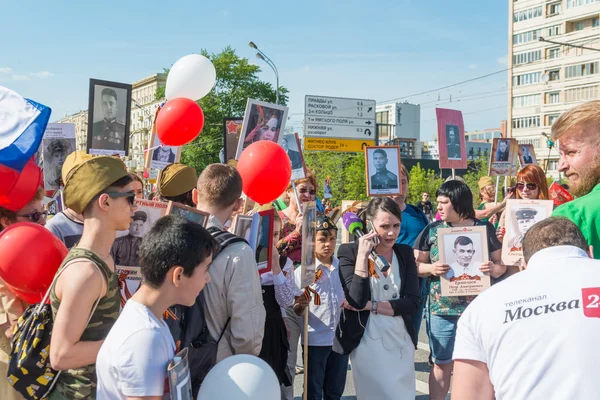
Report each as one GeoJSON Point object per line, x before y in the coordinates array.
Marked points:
{"type": "Point", "coordinates": [376, 49]}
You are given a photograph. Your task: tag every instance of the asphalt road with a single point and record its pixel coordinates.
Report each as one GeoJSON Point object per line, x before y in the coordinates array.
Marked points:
{"type": "Point", "coordinates": [421, 366]}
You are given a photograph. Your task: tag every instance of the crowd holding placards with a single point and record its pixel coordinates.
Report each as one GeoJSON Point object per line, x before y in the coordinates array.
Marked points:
{"type": "Point", "coordinates": [530, 334]}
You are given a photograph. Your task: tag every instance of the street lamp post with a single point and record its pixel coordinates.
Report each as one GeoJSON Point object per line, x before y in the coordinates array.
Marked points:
{"type": "Point", "coordinates": [271, 64]}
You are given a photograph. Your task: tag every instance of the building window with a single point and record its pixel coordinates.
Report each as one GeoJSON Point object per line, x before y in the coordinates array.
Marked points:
{"type": "Point", "coordinates": [551, 118]}
{"type": "Point", "coordinates": [527, 79]}
{"type": "Point", "coordinates": [579, 26]}
{"type": "Point", "coordinates": [595, 22]}
{"type": "Point", "coordinates": [574, 71]}
{"type": "Point", "coordinates": [382, 117]}
{"type": "Point", "coordinates": [581, 94]}
{"type": "Point", "coordinates": [579, 3]}
{"type": "Point", "coordinates": [553, 98]}
{"type": "Point", "coordinates": [527, 57]}
{"type": "Point", "coordinates": [552, 165]}
{"type": "Point", "coordinates": [553, 30]}
{"type": "Point", "coordinates": [526, 37]}
{"type": "Point", "coordinates": [554, 75]}
{"type": "Point", "coordinates": [526, 122]}
{"type": "Point", "coordinates": [530, 13]}
{"type": "Point", "coordinates": [534, 142]}
{"type": "Point", "coordinates": [553, 53]}
{"type": "Point", "coordinates": [527, 100]}
{"type": "Point", "coordinates": [554, 9]}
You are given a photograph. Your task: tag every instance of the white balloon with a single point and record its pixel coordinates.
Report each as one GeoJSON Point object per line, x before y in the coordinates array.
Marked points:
{"type": "Point", "coordinates": [192, 76]}
{"type": "Point", "coordinates": [240, 377]}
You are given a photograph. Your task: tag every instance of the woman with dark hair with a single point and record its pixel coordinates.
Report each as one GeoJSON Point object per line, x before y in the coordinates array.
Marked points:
{"type": "Point", "coordinates": [376, 327]}
{"type": "Point", "coordinates": [138, 185]}
{"type": "Point", "coordinates": [455, 205]}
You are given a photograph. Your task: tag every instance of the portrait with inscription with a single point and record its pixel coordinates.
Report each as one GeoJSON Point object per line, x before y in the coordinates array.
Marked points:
{"type": "Point", "coordinates": [262, 121]}
{"type": "Point", "coordinates": [464, 250]}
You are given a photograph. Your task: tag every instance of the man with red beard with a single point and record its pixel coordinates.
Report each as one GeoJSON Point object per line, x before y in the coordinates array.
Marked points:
{"type": "Point", "coordinates": [578, 135]}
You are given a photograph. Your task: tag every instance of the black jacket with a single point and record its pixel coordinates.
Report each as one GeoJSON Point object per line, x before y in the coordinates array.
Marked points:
{"type": "Point", "coordinates": [358, 292]}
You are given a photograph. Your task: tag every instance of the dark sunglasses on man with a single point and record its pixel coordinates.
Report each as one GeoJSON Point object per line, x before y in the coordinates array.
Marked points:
{"type": "Point", "coordinates": [34, 216]}
{"type": "Point", "coordinates": [130, 196]}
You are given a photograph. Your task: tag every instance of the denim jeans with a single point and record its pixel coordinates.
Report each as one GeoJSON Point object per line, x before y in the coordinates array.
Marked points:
{"type": "Point", "coordinates": [326, 373]}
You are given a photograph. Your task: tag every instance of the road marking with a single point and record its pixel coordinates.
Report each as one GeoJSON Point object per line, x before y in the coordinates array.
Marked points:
{"type": "Point", "coordinates": [423, 346]}
{"type": "Point", "coordinates": [422, 387]}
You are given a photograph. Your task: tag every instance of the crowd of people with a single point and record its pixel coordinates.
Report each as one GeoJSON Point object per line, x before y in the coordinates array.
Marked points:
{"type": "Point", "coordinates": [532, 334]}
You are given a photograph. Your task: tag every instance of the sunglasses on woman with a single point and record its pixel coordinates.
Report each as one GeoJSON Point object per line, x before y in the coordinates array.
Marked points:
{"type": "Point", "coordinates": [530, 186]}
{"type": "Point", "coordinates": [312, 192]}
{"type": "Point", "coordinates": [130, 196]}
{"type": "Point", "coordinates": [34, 216]}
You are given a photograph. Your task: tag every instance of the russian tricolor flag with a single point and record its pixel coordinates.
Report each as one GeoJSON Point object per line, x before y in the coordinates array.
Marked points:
{"type": "Point", "coordinates": [22, 126]}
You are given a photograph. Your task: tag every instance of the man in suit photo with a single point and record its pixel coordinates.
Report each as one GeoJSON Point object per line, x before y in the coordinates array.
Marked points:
{"type": "Point", "coordinates": [294, 155]}
{"type": "Point", "coordinates": [502, 152]}
{"type": "Point", "coordinates": [452, 143]}
{"type": "Point", "coordinates": [108, 134]}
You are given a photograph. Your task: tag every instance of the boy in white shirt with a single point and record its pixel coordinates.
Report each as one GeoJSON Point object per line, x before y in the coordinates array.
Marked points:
{"type": "Point", "coordinates": [326, 369]}
{"type": "Point", "coordinates": [133, 360]}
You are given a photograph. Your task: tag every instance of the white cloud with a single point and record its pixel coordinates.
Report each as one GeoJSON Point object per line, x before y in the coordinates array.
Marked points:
{"type": "Point", "coordinates": [306, 69]}
{"type": "Point", "coordinates": [5, 70]}
{"type": "Point", "coordinates": [472, 66]}
{"type": "Point", "coordinates": [20, 77]}
{"type": "Point", "coordinates": [502, 60]}
{"type": "Point", "coordinates": [42, 74]}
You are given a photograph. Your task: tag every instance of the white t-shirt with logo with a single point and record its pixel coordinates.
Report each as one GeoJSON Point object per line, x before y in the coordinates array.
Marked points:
{"type": "Point", "coordinates": [539, 331]}
{"type": "Point", "coordinates": [133, 359]}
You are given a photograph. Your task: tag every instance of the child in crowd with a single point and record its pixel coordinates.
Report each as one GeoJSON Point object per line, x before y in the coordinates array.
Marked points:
{"type": "Point", "coordinates": [326, 369]}
{"type": "Point", "coordinates": [133, 360]}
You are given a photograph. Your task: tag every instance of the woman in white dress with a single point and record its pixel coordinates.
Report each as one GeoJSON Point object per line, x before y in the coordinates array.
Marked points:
{"type": "Point", "coordinates": [375, 328]}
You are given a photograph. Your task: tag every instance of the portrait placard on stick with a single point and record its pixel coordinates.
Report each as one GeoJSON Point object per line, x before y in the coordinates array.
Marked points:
{"type": "Point", "coordinates": [57, 144]}
{"type": "Point", "coordinates": [242, 226]}
{"type": "Point", "coordinates": [232, 128]}
{"type": "Point", "coordinates": [520, 215]}
{"type": "Point", "coordinates": [264, 242]}
{"type": "Point", "coordinates": [464, 249]}
{"type": "Point", "coordinates": [291, 145]}
{"type": "Point", "coordinates": [109, 111]}
{"type": "Point", "coordinates": [451, 139]}
{"type": "Point", "coordinates": [158, 155]}
{"type": "Point", "coordinates": [309, 234]}
{"type": "Point", "coordinates": [262, 121]}
{"type": "Point", "coordinates": [526, 155]}
{"type": "Point", "coordinates": [383, 170]}
{"type": "Point", "coordinates": [504, 157]}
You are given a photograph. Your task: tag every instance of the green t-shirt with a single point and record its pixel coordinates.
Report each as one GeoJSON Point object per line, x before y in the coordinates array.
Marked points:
{"type": "Point", "coordinates": [585, 213]}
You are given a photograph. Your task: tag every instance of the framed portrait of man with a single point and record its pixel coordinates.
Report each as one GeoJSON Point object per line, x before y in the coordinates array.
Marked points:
{"type": "Point", "coordinates": [451, 139]}
{"type": "Point", "coordinates": [383, 170]}
{"type": "Point", "coordinates": [232, 128]}
{"type": "Point", "coordinates": [520, 215]}
{"type": "Point", "coordinates": [264, 240]}
{"type": "Point", "coordinates": [291, 145]}
{"type": "Point", "coordinates": [262, 121]}
{"type": "Point", "coordinates": [526, 155]}
{"type": "Point", "coordinates": [504, 157]}
{"type": "Point", "coordinates": [57, 144]}
{"type": "Point", "coordinates": [109, 114]}
{"type": "Point", "coordinates": [464, 249]}
{"type": "Point", "coordinates": [159, 155]}
{"type": "Point", "coordinates": [242, 226]}
{"type": "Point", "coordinates": [189, 213]}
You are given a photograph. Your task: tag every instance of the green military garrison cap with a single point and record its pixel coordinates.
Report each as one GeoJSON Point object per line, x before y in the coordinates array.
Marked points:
{"type": "Point", "coordinates": [176, 179]}
{"type": "Point", "coordinates": [89, 179]}
{"type": "Point", "coordinates": [525, 213]}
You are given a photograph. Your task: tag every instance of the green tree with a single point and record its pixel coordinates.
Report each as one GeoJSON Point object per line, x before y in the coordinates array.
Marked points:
{"type": "Point", "coordinates": [237, 81]}
{"type": "Point", "coordinates": [422, 180]}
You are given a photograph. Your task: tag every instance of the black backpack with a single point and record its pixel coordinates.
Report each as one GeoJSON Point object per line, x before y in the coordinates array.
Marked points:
{"type": "Point", "coordinates": [188, 324]}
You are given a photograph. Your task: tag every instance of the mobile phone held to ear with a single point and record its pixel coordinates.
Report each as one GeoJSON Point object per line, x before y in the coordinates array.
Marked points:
{"type": "Point", "coordinates": [371, 228]}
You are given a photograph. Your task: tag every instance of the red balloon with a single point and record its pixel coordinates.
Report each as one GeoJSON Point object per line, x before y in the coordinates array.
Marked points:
{"type": "Point", "coordinates": [179, 122]}
{"type": "Point", "coordinates": [29, 257]}
{"type": "Point", "coordinates": [24, 188]}
{"type": "Point", "coordinates": [29, 297]}
{"type": "Point", "coordinates": [266, 171]}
